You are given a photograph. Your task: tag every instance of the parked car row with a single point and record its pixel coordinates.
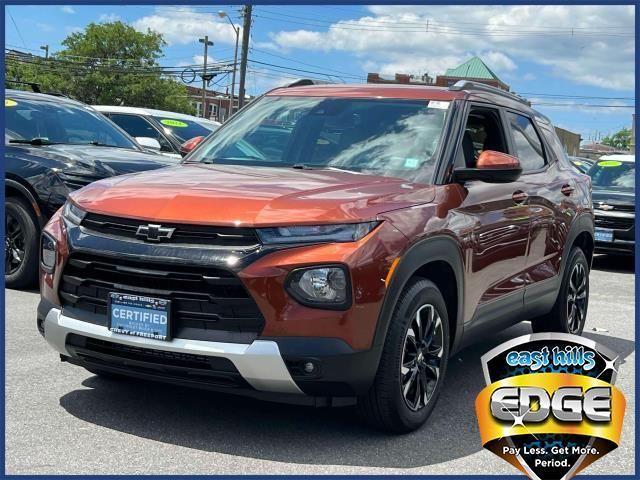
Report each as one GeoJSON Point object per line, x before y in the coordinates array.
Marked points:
{"type": "Point", "coordinates": [54, 146]}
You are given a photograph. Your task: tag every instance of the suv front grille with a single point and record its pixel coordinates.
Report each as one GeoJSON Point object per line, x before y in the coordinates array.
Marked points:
{"type": "Point", "coordinates": [616, 223]}
{"type": "Point", "coordinates": [207, 303]}
{"type": "Point", "coordinates": [212, 236]}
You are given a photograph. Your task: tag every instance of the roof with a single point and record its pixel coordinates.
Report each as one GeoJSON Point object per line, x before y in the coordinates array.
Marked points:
{"type": "Point", "coordinates": [33, 96]}
{"type": "Point", "coordinates": [370, 90]}
{"type": "Point", "coordinates": [472, 68]}
{"type": "Point", "coordinates": [620, 158]}
{"type": "Point", "coordinates": [155, 113]}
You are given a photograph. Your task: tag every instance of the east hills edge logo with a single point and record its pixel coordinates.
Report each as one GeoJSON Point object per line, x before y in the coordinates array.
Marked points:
{"type": "Point", "coordinates": [550, 407]}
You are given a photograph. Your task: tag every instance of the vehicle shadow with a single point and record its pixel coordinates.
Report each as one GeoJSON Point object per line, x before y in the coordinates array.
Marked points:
{"type": "Point", "coordinates": [614, 263]}
{"type": "Point", "coordinates": [304, 435]}
{"type": "Point", "coordinates": [249, 428]}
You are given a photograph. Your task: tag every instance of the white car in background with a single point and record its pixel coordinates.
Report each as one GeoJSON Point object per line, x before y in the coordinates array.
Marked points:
{"type": "Point", "coordinates": [159, 130]}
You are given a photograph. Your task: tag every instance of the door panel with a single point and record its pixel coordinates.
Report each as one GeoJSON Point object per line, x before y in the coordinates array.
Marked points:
{"type": "Point", "coordinates": [496, 243]}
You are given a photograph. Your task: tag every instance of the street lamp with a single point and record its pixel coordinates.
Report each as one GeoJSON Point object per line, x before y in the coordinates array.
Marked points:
{"type": "Point", "coordinates": [207, 44]}
{"type": "Point", "coordinates": [223, 14]}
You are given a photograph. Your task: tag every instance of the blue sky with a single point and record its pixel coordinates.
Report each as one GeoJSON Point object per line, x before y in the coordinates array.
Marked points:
{"type": "Point", "coordinates": [576, 63]}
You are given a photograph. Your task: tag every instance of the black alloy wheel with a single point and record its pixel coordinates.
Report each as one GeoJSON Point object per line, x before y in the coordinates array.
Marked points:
{"type": "Point", "coordinates": [422, 357]}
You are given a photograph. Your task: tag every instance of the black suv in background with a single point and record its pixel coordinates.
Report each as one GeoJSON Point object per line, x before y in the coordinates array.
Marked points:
{"type": "Point", "coordinates": [53, 146]}
{"type": "Point", "coordinates": [614, 203]}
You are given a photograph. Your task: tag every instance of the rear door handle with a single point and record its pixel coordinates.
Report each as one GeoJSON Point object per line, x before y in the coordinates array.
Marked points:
{"type": "Point", "coordinates": [519, 197]}
{"type": "Point", "coordinates": [567, 189]}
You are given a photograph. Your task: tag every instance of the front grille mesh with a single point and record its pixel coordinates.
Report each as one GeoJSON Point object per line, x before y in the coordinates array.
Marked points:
{"type": "Point", "coordinates": [615, 223]}
{"type": "Point", "coordinates": [205, 301]}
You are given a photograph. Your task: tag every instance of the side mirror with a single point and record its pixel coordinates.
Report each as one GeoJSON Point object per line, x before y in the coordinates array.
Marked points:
{"type": "Point", "coordinates": [189, 145]}
{"type": "Point", "coordinates": [491, 167]}
{"type": "Point", "coordinates": [148, 142]}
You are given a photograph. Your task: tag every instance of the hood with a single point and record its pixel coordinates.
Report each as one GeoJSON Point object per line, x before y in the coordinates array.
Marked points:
{"type": "Point", "coordinates": [250, 196]}
{"type": "Point", "coordinates": [97, 161]}
{"type": "Point", "coordinates": [613, 197]}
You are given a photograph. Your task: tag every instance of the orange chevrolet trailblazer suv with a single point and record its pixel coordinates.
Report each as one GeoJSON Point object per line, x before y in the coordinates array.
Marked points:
{"type": "Point", "coordinates": [330, 244]}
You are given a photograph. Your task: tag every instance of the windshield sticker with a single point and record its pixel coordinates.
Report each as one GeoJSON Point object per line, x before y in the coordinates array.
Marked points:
{"type": "Point", "coordinates": [609, 163]}
{"type": "Point", "coordinates": [438, 104]}
{"type": "Point", "coordinates": [411, 163]}
{"type": "Point", "coordinates": [10, 103]}
{"type": "Point", "coordinates": [173, 123]}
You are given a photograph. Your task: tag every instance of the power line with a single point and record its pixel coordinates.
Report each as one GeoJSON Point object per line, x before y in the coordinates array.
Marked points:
{"type": "Point", "coordinates": [425, 27]}
{"type": "Point", "coordinates": [17, 29]}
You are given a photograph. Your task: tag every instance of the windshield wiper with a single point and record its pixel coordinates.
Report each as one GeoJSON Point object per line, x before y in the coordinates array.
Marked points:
{"type": "Point", "coordinates": [302, 166]}
{"type": "Point", "coordinates": [34, 141]}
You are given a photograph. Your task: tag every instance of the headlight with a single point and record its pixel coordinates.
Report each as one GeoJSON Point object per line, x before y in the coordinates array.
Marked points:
{"type": "Point", "coordinates": [47, 253]}
{"type": "Point", "coordinates": [321, 287]}
{"type": "Point", "coordinates": [73, 213]}
{"type": "Point", "coordinates": [348, 232]}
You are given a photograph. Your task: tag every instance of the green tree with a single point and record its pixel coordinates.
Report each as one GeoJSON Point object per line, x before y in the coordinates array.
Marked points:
{"type": "Point", "coordinates": [109, 64]}
{"type": "Point", "coordinates": [621, 139]}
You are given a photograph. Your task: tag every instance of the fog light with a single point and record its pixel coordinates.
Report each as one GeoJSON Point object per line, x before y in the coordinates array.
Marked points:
{"type": "Point", "coordinates": [324, 287]}
{"type": "Point", "coordinates": [47, 253]}
{"type": "Point", "coordinates": [309, 367]}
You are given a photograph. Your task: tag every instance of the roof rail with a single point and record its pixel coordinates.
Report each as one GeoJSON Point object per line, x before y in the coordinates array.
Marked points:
{"type": "Point", "coordinates": [303, 82]}
{"type": "Point", "coordinates": [483, 87]}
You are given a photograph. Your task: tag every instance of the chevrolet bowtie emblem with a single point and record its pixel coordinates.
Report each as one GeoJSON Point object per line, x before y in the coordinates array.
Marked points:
{"type": "Point", "coordinates": [154, 233]}
{"type": "Point", "coordinates": [604, 206]}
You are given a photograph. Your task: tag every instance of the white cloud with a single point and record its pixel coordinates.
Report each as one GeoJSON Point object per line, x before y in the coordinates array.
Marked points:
{"type": "Point", "coordinates": [591, 45]}
{"type": "Point", "coordinates": [108, 17]}
{"type": "Point", "coordinates": [182, 25]}
{"type": "Point", "coordinates": [45, 27]}
{"type": "Point", "coordinates": [199, 59]}
{"type": "Point", "coordinates": [68, 9]}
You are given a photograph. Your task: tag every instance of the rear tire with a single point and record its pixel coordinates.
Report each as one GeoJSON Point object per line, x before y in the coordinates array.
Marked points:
{"type": "Point", "coordinates": [21, 244]}
{"type": "Point", "coordinates": [413, 363]}
{"type": "Point", "coordinates": [569, 312]}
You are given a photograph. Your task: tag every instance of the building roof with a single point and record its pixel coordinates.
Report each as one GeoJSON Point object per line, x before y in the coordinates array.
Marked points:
{"type": "Point", "coordinates": [472, 68]}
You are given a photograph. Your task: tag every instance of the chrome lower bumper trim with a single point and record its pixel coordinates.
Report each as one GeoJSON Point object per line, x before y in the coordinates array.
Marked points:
{"type": "Point", "coordinates": [259, 363]}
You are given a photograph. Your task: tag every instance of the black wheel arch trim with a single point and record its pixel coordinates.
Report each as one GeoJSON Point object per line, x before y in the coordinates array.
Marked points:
{"type": "Point", "coordinates": [583, 223]}
{"type": "Point", "coordinates": [29, 196]}
{"type": "Point", "coordinates": [436, 248]}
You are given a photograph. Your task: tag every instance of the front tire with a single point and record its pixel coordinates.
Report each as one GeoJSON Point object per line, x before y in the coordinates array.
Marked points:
{"type": "Point", "coordinates": [21, 244]}
{"type": "Point", "coordinates": [413, 362]}
{"type": "Point", "coordinates": [569, 312]}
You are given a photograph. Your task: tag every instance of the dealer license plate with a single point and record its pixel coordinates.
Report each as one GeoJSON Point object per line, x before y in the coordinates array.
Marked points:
{"type": "Point", "coordinates": [603, 235]}
{"type": "Point", "coordinates": [139, 315]}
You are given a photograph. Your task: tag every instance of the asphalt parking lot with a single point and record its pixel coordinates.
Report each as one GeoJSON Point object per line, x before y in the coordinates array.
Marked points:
{"type": "Point", "coordinates": [61, 419]}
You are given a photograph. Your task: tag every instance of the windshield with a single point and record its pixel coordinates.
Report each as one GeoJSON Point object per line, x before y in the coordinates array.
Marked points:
{"type": "Point", "coordinates": [389, 137]}
{"type": "Point", "coordinates": [43, 122]}
{"type": "Point", "coordinates": [182, 129]}
{"type": "Point", "coordinates": [614, 175]}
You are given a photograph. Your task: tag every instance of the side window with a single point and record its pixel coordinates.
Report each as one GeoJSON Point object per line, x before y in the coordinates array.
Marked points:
{"type": "Point", "coordinates": [483, 131]}
{"type": "Point", "coordinates": [527, 143]}
{"type": "Point", "coordinates": [138, 127]}
{"type": "Point", "coordinates": [553, 141]}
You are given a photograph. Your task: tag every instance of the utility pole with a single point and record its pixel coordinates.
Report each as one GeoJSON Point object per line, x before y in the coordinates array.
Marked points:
{"type": "Point", "coordinates": [232, 103]}
{"type": "Point", "coordinates": [207, 44]}
{"type": "Point", "coordinates": [46, 51]}
{"type": "Point", "coordinates": [246, 27]}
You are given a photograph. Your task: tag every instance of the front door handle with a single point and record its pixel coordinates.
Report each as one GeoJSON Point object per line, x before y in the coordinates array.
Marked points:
{"type": "Point", "coordinates": [567, 189]}
{"type": "Point", "coordinates": [519, 197]}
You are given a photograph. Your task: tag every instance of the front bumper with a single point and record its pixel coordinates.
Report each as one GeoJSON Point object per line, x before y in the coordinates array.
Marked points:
{"type": "Point", "coordinates": [259, 363]}
{"type": "Point", "coordinates": [267, 368]}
